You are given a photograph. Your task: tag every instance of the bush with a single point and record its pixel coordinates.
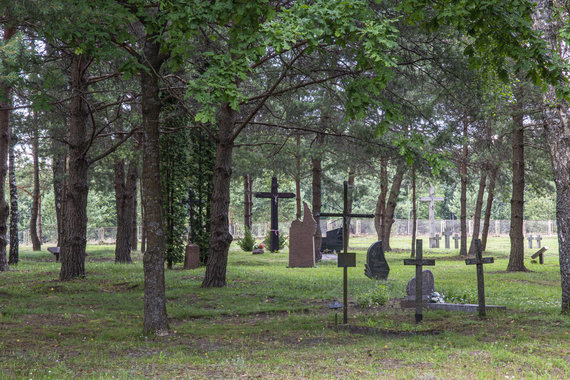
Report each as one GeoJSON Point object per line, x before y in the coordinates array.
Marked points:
{"type": "Point", "coordinates": [246, 243]}
{"type": "Point", "coordinates": [375, 297]}
{"type": "Point", "coordinates": [459, 296]}
{"type": "Point", "coordinates": [282, 240]}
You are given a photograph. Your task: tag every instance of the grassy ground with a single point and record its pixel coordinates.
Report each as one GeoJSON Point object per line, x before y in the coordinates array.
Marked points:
{"type": "Point", "coordinates": [273, 322]}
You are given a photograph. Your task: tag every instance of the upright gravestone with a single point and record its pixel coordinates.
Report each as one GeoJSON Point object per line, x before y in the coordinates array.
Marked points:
{"type": "Point", "coordinates": [538, 239]}
{"type": "Point", "coordinates": [192, 256]}
{"type": "Point", "coordinates": [437, 238]}
{"type": "Point", "coordinates": [447, 235]}
{"type": "Point", "coordinates": [529, 238]}
{"type": "Point", "coordinates": [333, 240]}
{"type": "Point", "coordinates": [419, 262]}
{"type": "Point", "coordinates": [431, 199]}
{"type": "Point", "coordinates": [301, 240]}
{"type": "Point", "coordinates": [376, 266]}
{"type": "Point", "coordinates": [456, 238]}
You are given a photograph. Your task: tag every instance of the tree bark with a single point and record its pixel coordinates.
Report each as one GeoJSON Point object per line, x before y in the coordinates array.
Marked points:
{"type": "Point", "coordinates": [478, 210]}
{"type": "Point", "coordinates": [392, 203]}
{"type": "Point", "coordinates": [36, 242]}
{"type": "Point", "coordinates": [414, 213]}
{"type": "Point", "coordinates": [14, 255]}
{"type": "Point", "coordinates": [317, 194]}
{"type": "Point", "coordinates": [557, 131]}
{"type": "Point", "coordinates": [5, 105]}
{"type": "Point", "coordinates": [72, 252]}
{"type": "Point", "coordinates": [125, 193]}
{"type": "Point", "coordinates": [350, 199]}
{"type": "Point", "coordinates": [220, 238]}
{"type": "Point", "coordinates": [134, 226]}
{"type": "Point", "coordinates": [463, 197]}
{"type": "Point", "coordinates": [490, 197]}
{"type": "Point", "coordinates": [247, 201]}
{"type": "Point", "coordinates": [380, 213]}
{"type": "Point", "coordinates": [299, 214]}
{"type": "Point", "coordinates": [516, 257]}
{"type": "Point", "coordinates": [143, 219]}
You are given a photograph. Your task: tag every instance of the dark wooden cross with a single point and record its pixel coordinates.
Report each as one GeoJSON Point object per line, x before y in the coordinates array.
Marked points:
{"type": "Point", "coordinates": [274, 195]}
{"type": "Point", "coordinates": [419, 262]}
{"type": "Point", "coordinates": [479, 260]}
{"type": "Point", "coordinates": [345, 259]}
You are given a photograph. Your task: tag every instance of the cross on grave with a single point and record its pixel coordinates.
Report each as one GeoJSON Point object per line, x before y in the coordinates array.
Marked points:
{"type": "Point", "coordinates": [538, 239]}
{"type": "Point", "coordinates": [447, 235]}
{"type": "Point", "coordinates": [437, 238]}
{"type": "Point", "coordinates": [419, 262]}
{"type": "Point", "coordinates": [456, 238]}
{"type": "Point", "coordinates": [274, 195]}
{"type": "Point", "coordinates": [529, 238]}
{"type": "Point", "coordinates": [479, 260]}
{"type": "Point", "coordinates": [431, 199]}
{"type": "Point", "coordinates": [345, 259]}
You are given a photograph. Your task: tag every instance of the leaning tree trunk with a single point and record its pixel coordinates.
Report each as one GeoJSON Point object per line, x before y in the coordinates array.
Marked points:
{"type": "Point", "coordinates": [317, 193]}
{"type": "Point", "coordinates": [125, 192]}
{"type": "Point", "coordinates": [220, 237]}
{"type": "Point", "coordinates": [155, 320]}
{"type": "Point", "coordinates": [5, 105]}
{"type": "Point", "coordinates": [72, 252]}
{"type": "Point", "coordinates": [557, 130]}
{"type": "Point", "coordinates": [490, 197]}
{"type": "Point", "coordinates": [380, 213]}
{"type": "Point", "coordinates": [247, 201]}
{"type": "Point", "coordinates": [516, 258]}
{"type": "Point", "coordinates": [14, 239]}
{"type": "Point", "coordinates": [36, 242]}
{"type": "Point", "coordinates": [478, 210]}
{"type": "Point", "coordinates": [392, 203]}
{"type": "Point", "coordinates": [463, 196]}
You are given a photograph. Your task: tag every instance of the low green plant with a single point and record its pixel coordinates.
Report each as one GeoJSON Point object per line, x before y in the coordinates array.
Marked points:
{"type": "Point", "coordinates": [375, 297]}
{"type": "Point", "coordinates": [461, 296]}
{"type": "Point", "coordinates": [282, 240]}
{"type": "Point", "coordinates": [246, 243]}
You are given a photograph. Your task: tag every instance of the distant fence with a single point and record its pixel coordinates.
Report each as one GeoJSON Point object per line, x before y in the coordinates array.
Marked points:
{"type": "Point", "coordinates": [364, 227]}
{"type": "Point", "coordinates": [359, 227]}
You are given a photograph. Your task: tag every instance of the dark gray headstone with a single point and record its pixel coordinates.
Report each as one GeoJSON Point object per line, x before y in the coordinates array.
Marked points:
{"type": "Point", "coordinates": [428, 285]}
{"type": "Point", "coordinates": [529, 238]}
{"type": "Point", "coordinates": [333, 240]}
{"type": "Point", "coordinates": [456, 238]}
{"type": "Point", "coordinates": [447, 235]}
{"type": "Point", "coordinates": [437, 238]}
{"type": "Point", "coordinates": [538, 239]}
{"type": "Point", "coordinates": [376, 266]}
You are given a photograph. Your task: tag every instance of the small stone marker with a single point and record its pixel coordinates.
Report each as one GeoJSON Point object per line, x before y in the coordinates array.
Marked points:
{"type": "Point", "coordinates": [301, 240]}
{"type": "Point", "coordinates": [456, 238]}
{"type": "Point", "coordinates": [538, 239]}
{"type": "Point", "coordinates": [540, 255]}
{"type": "Point", "coordinates": [479, 260]}
{"type": "Point", "coordinates": [258, 251]}
{"type": "Point", "coordinates": [529, 238]}
{"type": "Point", "coordinates": [447, 235]}
{"type": "Point", "coordinates": [428, 286]}
{"type": "Point", "coordinates": [376, 266]}
{"type": "Point", "coordinates": [192, 257]}
{"type": "Point", "coordinates": [419, 262]}
{"type": "Point", "coordinates": [54, 251]}
{"type": "Point", "coordinates": [437, 238]}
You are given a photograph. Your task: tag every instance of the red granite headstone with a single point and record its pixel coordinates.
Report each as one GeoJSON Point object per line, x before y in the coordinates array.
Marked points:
{"type": "Point", "coordinates": [192, 258]}
{"type": "Point", "coordinates": [301, 240]}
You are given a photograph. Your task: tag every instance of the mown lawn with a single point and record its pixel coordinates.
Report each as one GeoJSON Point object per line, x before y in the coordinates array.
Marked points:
{"type": "Point", "coordinates": [273, 322]}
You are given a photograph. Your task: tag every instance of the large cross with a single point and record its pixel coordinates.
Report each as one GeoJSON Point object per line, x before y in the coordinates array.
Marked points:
{"type": "Point", "coordinates": [431, 199]}
{"type": "Point", "coordinates": [419, 262]}
{"type": "Point", "coordinates": [345, 259]}
{"type": "Point", "coordinates": [274, 195]}
{"type": "Point", "coordinates": [479, 260]}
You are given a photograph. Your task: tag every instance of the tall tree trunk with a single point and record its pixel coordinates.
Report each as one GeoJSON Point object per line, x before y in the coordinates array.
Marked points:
{"type": "Point", "coordinates": [557, 128]}
{"type": "Point", "coordinates": [220, 237]}
{"type": "Point", "coordinates": [143, 219]}
{"type": "Point", "coordinates": [14, 256]}
{"type": "Point", "coordinates": [478, 210]}
{"type": "Point", "coordinates": [490, 197]}
{"type": "Point", "coordinates": [247, 201]}
{"type": "Point", "coordinates": [134, 226]}
{"type": "Point", "coordinates": [5, 105]}
{"type": "Point", "coordinates": [380, 213]}
{"type": "Point", "coordinates": [516, 257]}
{"type": "Point", "coordinates": [125, 192]}
{"type": "Point", "coordinates": [317, 194]}
{"type": "Point", "coordinates": [72, 252]}
{"type": "Point", "coordinates": [414, 212]}
{"type": "Point", "coordinates": [299, 214]}
{"type": "Point", "coordinates": [391, 205]}
{"type": "Point", "coordinates": [155, 320]}
{"type": "Point", "coordinates": [36, 243]}
{"type": "Point", "coordinates": [350, 199]}
{"type": "Point", "coordinates": [463, 197]}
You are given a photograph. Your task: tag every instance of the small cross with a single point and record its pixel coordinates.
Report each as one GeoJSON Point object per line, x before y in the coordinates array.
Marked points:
{"type": "Point", "coordinates": [538, 239]}
{"type": "Point", "coordinates": [456, 238]}
{"type": "Point", "coordinates": [447, 235]}
{"type": "Point", "coordinates": [419, 262]}
{"type": "Point", "coordinates": [275, 195]}
{"type": "Point", "coordinates": [479, 260]}
{"type": "Point", "coordinates": [529, 238]}
{"type": "Point", "coordinates": [431, 199]}
{"type": "Point", "coordinates": [437, 238]}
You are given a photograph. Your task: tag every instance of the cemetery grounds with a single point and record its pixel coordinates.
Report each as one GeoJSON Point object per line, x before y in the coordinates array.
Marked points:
{"type": "Point", "coordinates": [274, 322]}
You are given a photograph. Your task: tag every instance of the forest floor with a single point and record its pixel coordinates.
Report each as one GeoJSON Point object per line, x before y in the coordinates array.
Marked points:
{"type": "Point", "coordinates": [273, 322]}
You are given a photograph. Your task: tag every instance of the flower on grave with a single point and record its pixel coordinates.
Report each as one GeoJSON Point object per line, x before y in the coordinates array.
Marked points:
{"type": "Point", "coordinates": [258, 246]}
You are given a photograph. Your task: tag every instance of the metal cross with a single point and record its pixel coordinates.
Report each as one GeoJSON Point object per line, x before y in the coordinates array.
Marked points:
{"type": "Point", "coordinates": [479, 260]}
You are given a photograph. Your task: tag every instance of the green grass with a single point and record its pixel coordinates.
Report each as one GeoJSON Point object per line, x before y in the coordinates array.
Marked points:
{"type": "Point", "coordinates": [273, 322]}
